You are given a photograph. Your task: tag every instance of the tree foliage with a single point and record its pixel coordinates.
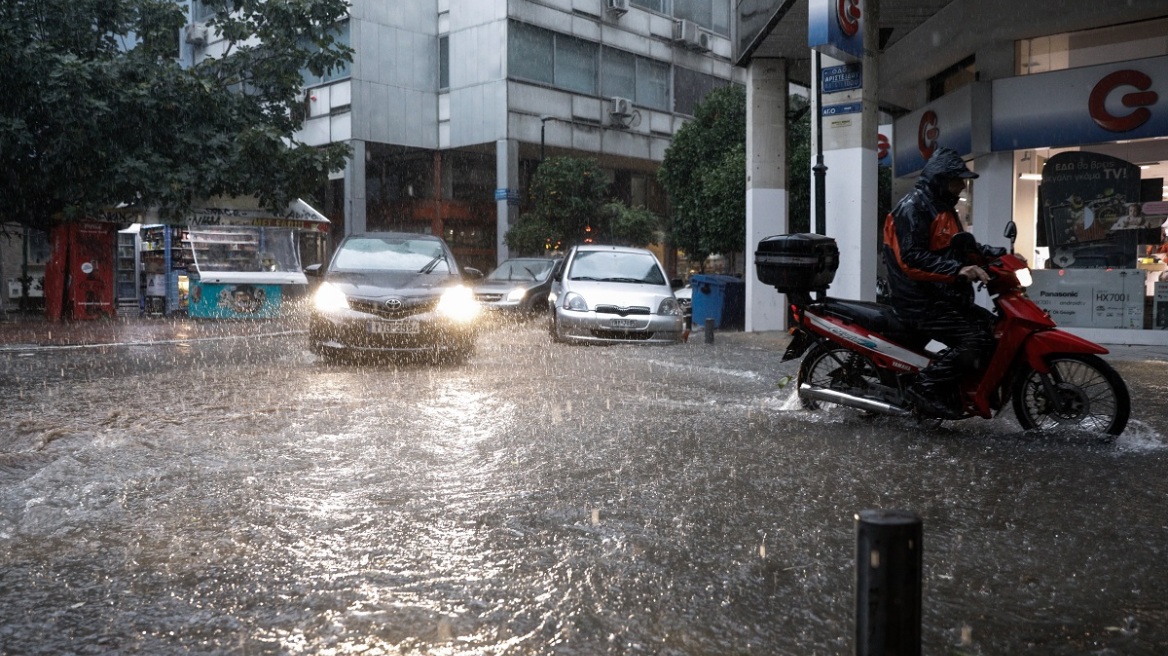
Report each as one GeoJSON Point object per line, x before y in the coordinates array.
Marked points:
{"type": "Point", "coordinates": [571, 203]}
{"type": "Point", "coordinates": [98, 112]}
{"type": "Point", "coordinates": [704, 173]}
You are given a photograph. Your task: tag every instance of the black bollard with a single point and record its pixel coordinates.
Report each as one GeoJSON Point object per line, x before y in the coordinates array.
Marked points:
{"type": "Point", "coordinates": [888, 583]}
{"type": "Point", "coordinates": [709, 330]}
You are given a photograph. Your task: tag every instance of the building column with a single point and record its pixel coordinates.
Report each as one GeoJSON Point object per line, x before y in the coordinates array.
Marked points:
{"type": "Point", "coordinates": [993, 199]}
{"type": "Point", "coordinates": [355, 206]}
{"type": "Point", "coordinates": [766, 183]}
{"type": "Point", "coordinates": [850, 133]}
{"type": "Point", "coordinates": [506, 193]}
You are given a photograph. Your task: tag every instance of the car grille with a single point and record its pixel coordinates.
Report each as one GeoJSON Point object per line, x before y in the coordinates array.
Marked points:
{"type": "Point", "coordinates": [488, 298]}
{"type": "Point", "coordinates": [408, 307]}
{"type": "Point", "coordinates": [622, 311]}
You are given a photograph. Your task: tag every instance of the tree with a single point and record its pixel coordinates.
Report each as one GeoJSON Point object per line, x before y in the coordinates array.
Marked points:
{"type": "Point", "coordinates": [704, 173]}
{"type": "Point", "coordinates": [98, 113]}
{"type": "Point", "coordinates": [571, 204]}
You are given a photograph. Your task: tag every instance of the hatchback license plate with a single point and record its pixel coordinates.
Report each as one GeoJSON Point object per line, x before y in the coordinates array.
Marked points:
{"type": "Point", "coordinates": [622, 323]}
{"type": "Point", "coordinates": [394, 327]}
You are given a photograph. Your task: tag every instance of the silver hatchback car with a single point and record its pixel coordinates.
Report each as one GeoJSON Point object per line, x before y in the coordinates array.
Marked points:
{"type": "Point", "coordinates": [613, 294]}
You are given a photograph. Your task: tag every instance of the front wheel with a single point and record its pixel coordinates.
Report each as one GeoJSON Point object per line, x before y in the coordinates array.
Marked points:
{"type": "Point", "coordinates": [1091, 396]}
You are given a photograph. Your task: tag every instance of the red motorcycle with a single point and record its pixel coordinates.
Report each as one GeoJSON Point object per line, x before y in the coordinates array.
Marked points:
{"type": "Point", "coordinates": [861, 354]}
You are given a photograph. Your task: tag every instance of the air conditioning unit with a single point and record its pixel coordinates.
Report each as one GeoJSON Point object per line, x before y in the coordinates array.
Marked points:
{"type": "Point", "coordinates": [195, 34]}
{"type": "Point", "coordinates": [705, 40]}
{"type": "Point", "coordinates": [620, 107]}
{"type": "Point", "coordinates": [618, 7]}
{"type": "Point", "coordinates": [688, 34]}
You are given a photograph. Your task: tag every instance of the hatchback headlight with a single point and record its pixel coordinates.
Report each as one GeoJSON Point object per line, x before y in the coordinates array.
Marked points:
{"type": "Point", "coordinates": [575, 302]}
{"type": "Point", "coordinates": [329, 298]}
{"type": "Point", "coordinates": [669, 308]}
{"type": "Point", "coordinates": [459, 304]}
{"type": "Point", "coordinates": [516, 295]}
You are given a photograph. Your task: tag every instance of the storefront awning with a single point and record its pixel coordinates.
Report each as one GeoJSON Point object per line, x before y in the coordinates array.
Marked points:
{"type": "Point", "coordinates": [244, 211]}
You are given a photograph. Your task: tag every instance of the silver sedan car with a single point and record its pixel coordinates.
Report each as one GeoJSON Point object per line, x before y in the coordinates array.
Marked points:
{"type": "Point", "coordinates": [613, 294]}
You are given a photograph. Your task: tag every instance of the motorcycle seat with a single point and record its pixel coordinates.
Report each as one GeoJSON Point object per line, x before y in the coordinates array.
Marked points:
{"type": "Point", "coordinates": [876, 317]}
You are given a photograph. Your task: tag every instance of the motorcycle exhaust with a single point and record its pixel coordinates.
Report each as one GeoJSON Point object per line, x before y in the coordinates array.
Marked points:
{"type": "Point", "coordinates": [851, 401]}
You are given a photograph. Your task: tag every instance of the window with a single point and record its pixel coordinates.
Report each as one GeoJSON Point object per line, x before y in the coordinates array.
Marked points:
{"type": "Point", "coordinates": [575, 64]}
{"type": "Point", "coordinates": [200, 11]}
{"type": "Point", "coordinates": [713, 15]}
{"type": "Point", "coordinates": [339, 73]}
{"type": "Point", "coordinates": [961, 74]}
{"type": "Point", "coordinates": [691, 87]}
{"type": "Point", "coordinates": [530, 53]}
{"type": "Point", "coordinates": [619, 74]}
{"type": "Point", "coordinates": [444, 62]}
{"type": "Point", "coordinates": [652, 84]}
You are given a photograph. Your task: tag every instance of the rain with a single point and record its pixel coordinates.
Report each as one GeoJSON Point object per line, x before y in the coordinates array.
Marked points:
{"type": "Point", "coordinates": [232, 493]}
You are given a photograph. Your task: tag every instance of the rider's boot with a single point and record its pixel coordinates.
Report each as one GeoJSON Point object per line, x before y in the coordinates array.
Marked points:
{"type": "Point", "coordinates": [933, 401]}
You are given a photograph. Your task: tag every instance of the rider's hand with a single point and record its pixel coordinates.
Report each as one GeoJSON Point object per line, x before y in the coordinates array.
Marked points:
{"type": "Point", "coordinates": [974, 273]}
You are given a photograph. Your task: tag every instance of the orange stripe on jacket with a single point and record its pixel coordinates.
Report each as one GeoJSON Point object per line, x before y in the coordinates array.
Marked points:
{"type": "Point", "coordinates": [936, 236]}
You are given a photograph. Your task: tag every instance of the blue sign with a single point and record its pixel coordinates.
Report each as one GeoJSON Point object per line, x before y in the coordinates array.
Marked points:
{"type": "Point", "coordinates": [512, 196]}
{"type": "Point", "coordinates": [835, 28]}
{"type": "Point", "coordinates": [845, 108]}
{"type": "Point", "coordinates": [841, 78]}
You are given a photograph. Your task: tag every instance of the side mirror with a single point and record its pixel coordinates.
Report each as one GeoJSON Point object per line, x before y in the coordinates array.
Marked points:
{"type": "Point", "coordinates": [312, 271]}
{"type": "Point", "coordinates": [1011, 232]}
{"type": "Point", "coordinates": [676, 284]}
{"type": "Point", "coordinates": [472, 273]}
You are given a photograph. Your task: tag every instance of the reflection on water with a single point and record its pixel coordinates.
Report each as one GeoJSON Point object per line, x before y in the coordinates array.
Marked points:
{"type": "Point", "coordinates": [245, 499]}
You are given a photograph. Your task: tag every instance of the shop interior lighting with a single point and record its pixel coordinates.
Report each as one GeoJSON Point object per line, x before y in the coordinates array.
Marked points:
{"type": "Point", "coordinates": [1029, 176]}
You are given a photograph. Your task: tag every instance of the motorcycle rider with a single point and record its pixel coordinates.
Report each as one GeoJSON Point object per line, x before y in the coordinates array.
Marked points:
{"type": "Point", "coordinates": [930, 280]}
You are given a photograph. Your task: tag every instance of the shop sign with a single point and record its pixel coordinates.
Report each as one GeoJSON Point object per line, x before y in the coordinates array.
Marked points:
{"type": "Point", "coordinates": [884, 146]}
{"type": "Point", "coordinates": [836, 28]}
{"type": "Point", "coordinates": [1084, 194]}
{"type": "Point", "coordinates": [1094, 104]}
{"type": "Point", "coordinates": [841, 78]}
{"type": "Point", "coordinates": [947, 121]}
{"type": "Point", "coordinates": [1090, 298]}
{"type": "Point", "coordinates": [843, 108]}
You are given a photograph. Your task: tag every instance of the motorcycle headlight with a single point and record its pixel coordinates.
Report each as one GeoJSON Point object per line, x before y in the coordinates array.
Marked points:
{"type": "Point", "coordinates": [459, 304]}
{"type": "Point", "coordinates": [328, 298]}
{"type": "Point", "coordinates": [1024, 277]}
{"type": "Point", "coordinates": [516, 295]}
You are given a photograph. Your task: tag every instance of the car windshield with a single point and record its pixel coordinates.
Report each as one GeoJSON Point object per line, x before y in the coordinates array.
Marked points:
{"type": "Point", "coordinates": [522, 270]}
{"type": "Point", "coordinates": [616, 266]}
{"type": "Point", "coordinates": [392, 254]}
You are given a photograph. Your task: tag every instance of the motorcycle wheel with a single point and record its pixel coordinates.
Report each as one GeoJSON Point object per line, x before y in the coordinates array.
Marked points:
{"type": "Point", "coordinates": [834, 367]}
{"type": "Point", "coordinates": [1094, 397]}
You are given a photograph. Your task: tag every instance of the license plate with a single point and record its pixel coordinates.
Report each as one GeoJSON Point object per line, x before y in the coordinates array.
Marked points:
{"type": "Point", "coordinates": [394, 327]}
{"type": "Point", "coordinates": [623, 323]}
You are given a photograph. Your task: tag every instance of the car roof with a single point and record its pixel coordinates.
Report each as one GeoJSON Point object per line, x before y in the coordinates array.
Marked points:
{"type": "Point", "coordinates": [394, 235]}
{"type": "Point", "coordinates": [614, 249]}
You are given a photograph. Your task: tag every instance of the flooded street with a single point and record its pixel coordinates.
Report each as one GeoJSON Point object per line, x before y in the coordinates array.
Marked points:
{"type": "Point", "coordinates": [239, 496]}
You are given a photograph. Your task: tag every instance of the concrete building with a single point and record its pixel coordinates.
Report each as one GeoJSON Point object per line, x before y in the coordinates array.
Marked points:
{"type": "Point", "coordinates": [1028, 95]}
{"type": "Point", "coordinates": [449, 105]}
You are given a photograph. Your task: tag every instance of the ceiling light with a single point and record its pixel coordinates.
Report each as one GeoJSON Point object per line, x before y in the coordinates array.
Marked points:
{"type": "Point", "coordinates": [1029, 176]}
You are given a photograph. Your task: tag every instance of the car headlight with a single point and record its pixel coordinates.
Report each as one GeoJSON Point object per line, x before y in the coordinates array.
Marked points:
{"type": "Point", "coordinates": [669, 308]}
{"type": "Point", "coordinates": [516, 295]}
{"type": "Point", "coordinates": [575, 302]}
{"type": "Point", "coordinates": [329, 298]}
{"type": "Point", "coordinates": [459, 304]}
{"type": "Point", "coordinates": [1024, 277]}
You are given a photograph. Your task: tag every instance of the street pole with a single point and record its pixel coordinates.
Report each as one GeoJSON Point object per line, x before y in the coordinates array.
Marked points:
{"type": "Point", "coordinates": [542, 125]}
{"type": "Point", "coordinates": [888, 583]}
{"type": "Point", "coordinates": [819, 169]}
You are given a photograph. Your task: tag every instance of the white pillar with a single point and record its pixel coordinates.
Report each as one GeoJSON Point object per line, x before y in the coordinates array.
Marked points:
{"type": "Point", "coordinates": [766, 183]}
{"type": "Point", "coordinates": [993, 198]}
{"type": "Point", "coordinates": [355, 206]}
{"type": "Point", "coordinates": [506, 193]}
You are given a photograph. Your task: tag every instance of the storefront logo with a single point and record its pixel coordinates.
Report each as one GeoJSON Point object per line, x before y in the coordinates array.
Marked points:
{"type": "Point", "coordinates": [927, 134]}
{"type": "Point", "coordinates": [847, 14]}
{"type": "Point", "coordinates": [882, 146]}
{"type": "Point", "coordinates": [1097, 103]}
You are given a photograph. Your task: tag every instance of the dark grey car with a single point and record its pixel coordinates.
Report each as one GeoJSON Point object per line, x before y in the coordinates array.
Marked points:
{"type": "Point", "coordinates": [518, 286]}
{"type": "Point", "coordinates": [393, 293]}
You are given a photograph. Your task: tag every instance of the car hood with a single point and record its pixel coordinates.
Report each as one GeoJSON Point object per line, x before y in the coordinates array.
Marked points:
{"type": "Point", "coordinates": [619, 294]}
{"type": "Point", "coordinates": [407, 284]}
{"type": "Point", "coordinates": [505, 285]}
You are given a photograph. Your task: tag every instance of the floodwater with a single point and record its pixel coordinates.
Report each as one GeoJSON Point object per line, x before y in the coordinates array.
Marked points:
{"type": "Point", "coordinates": [242, 497]}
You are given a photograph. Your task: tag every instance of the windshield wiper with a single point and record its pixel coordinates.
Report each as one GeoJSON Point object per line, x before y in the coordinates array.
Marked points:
{"type": "Point", "coordinates": [636, 280]}
{"type": "Point", "coordinates": [433, 263]}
